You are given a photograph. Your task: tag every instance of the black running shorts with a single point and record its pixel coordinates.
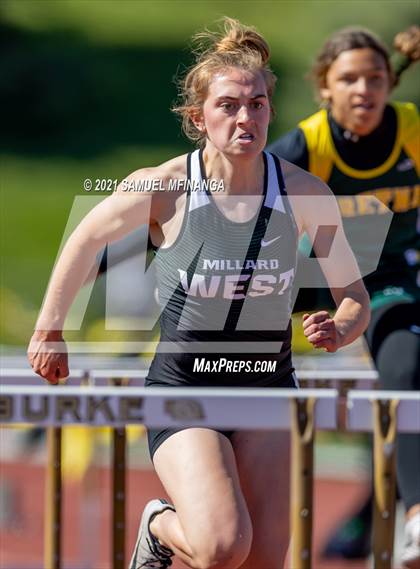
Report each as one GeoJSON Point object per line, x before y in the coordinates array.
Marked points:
{"type": "Point", "coordinates": [157, 436]}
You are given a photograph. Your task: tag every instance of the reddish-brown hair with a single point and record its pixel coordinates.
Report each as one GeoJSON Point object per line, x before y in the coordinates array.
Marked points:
{"type": "Point", "coordinates": [234, 45]}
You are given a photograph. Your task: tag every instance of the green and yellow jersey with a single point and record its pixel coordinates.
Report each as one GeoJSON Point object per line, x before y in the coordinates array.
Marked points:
{"type": "Point", "coordinates": [384, 164]}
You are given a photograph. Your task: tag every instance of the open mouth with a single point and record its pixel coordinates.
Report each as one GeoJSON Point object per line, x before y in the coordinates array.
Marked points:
{"type": "Point", "coordinates": [246, 137]}
{"type": "Point", "coordinates": [364, 106]}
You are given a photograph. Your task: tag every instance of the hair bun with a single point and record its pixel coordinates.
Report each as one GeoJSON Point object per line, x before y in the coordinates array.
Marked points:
{"type": "Point", "coordinates": [237, 37]}
{"type": "Point", "coordinates": [408, 43]}
{"type": "Point", "coordinates": [232, 45]}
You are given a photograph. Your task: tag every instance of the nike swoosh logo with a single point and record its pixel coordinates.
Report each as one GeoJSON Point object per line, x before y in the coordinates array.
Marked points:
{"type": "Point", "coordinates": [405, 165]}
{"type": "Point", "coordinates": [266, 243]}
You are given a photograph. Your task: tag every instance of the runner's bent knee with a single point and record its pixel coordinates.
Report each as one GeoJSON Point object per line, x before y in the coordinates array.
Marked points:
{"type": "Point", "coordinates": [198, 470]}
{"type": "Point", "coordinates": [224, 550]}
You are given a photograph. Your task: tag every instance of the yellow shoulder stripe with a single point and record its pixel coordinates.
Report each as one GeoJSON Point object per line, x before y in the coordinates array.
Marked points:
{"type": "Point", "coordinates": [409, 122]}
{"type": "Point", "coordinates": [319, 143]}
{"type": "Point", "coordinates": [323, 154]}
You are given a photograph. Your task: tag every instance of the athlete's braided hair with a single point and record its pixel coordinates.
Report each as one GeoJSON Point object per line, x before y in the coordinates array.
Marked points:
{"type": "Point", "coordinates": [407, 44]}
{"type": "Point", "coordinates": [233, 45]}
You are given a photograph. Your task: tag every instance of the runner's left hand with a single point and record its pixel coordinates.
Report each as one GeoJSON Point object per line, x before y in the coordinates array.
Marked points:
{"type": "Point", "coordinates": [321, 332]}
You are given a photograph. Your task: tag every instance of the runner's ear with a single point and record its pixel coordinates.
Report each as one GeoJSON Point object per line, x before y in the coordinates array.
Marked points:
{"type": "Point", "coordinates": [198, 120]}
{"type": "Point", "coordinates": [325, 94]}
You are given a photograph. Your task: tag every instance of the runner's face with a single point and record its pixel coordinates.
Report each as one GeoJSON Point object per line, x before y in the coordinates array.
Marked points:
{"type": "Point", "coordinates": [236, 113]}
{"type": "Point", "coordinates": [358, 86]}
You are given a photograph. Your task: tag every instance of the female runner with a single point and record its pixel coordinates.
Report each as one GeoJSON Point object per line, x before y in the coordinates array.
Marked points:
{"type": "Point", "coordinates": [226, 264]}
{"type": "Point", "coordinates": [360, 143]}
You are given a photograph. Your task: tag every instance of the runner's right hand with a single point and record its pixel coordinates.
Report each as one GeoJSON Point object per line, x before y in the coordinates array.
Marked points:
{"type": "Point", "coordinates": [47, 354]}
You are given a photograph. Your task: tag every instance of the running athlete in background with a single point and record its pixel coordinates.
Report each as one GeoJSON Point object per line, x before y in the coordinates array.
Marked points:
{"type": "Point", "coordinates": [225, 268]}
{"type": "Point", "coordinates": [359, 144]}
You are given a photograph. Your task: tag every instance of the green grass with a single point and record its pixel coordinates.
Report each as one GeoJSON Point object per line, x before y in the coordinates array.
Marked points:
{"type": "Point", "coordinates": [37, 196]}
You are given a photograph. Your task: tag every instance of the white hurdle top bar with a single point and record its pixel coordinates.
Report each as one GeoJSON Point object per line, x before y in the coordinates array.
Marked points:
{"type": "Point", "coordinates": [13, 376]}
{"type": "Point", "coordinates": [360, 415]}
{"type": "Point", "coordinates": [19, 376]}
{"type": "Point", "coordinates": [238, 408]}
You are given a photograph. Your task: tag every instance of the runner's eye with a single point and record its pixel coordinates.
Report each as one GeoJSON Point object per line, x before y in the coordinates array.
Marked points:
{"type": "Point", "coordinates": [348, 79]}
{"type": "Point", "coordinates": [377, 80]}
{"type": "Point", "coordinates": [229, 106]}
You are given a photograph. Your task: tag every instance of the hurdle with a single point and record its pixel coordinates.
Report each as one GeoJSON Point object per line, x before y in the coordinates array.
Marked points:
{"type": "Point", "coordinates": [119, 447]}
{"type": "Point", "coordinates": [302, 433]}
{"type": "Point", "coordinates": [53, 499]}
{"type": "Point", "coordinates": [385, 413]}
{"type": "Point", "coordinates": [270, 408]}
{"type": "Point", "coordinates": [53, 479]}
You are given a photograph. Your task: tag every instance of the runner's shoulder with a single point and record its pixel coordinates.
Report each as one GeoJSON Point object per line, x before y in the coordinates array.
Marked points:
{"type": "Point", "coordinates": [156, 184]}
{"type": "Point", "coordinates": [300, 182]}
{"type": "Point", "coordinates": [303, 190]}
{"type": "Point", "coordinates": [173, 169]}
{"type": "Point", "coordinates": [159, 177]}
{"type": "Point", "coordinates": [292, 147]}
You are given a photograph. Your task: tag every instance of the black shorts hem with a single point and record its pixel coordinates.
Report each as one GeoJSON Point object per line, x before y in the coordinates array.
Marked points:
{"type": "Point", "coordinates": [156, 437]}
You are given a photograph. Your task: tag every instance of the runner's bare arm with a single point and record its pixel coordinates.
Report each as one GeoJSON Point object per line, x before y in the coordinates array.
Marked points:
{"type": "Point", "coordinates": [128, 248]}
{"type": "Point", "coordinates": [318, 215]}
{"type": "Point", "coordinates": [109, 221]}
{"type": "Point", "coordinates": [112, 219]}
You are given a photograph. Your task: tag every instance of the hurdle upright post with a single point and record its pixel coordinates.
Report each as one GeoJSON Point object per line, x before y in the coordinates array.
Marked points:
{"type": "Point", "coordinates": [385, 428]}
{"type": "Point", "coordinates": [301, 511]}
{"type": "Point", "coordinates": [118, 492]}
{"type": "Point", "coordinates": [52, 532]}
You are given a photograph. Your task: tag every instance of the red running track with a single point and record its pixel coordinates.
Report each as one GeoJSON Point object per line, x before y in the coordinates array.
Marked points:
{"type": "Point", "coordinates": [86, 530]}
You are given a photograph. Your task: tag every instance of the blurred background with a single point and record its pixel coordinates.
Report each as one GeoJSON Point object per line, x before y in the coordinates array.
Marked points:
{"type": "Point", "coordinates": [86, 88]}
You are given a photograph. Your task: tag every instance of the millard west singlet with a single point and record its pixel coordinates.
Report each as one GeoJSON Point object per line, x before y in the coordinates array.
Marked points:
{"type": "Point", "coordinates": [225, 288]}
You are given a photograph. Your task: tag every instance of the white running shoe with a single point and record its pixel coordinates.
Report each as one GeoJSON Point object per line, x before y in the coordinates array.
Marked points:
{"type": "Point", "coordinates": [411, 555]}
{"type": "Point", "coordinates": [148, 552]}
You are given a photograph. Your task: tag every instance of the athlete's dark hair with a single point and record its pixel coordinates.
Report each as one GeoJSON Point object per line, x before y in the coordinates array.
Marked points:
{"type": "Point", "coordinates": [406, 43]}
{"type": "Point", "coordinates": [233, 45]}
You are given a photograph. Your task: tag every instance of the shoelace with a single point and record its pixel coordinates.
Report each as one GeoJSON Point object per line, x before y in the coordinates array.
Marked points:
{"type": "Point", "coordinates": [151, 564]}
{"type": "Point", "coordinates": [160, 560]}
